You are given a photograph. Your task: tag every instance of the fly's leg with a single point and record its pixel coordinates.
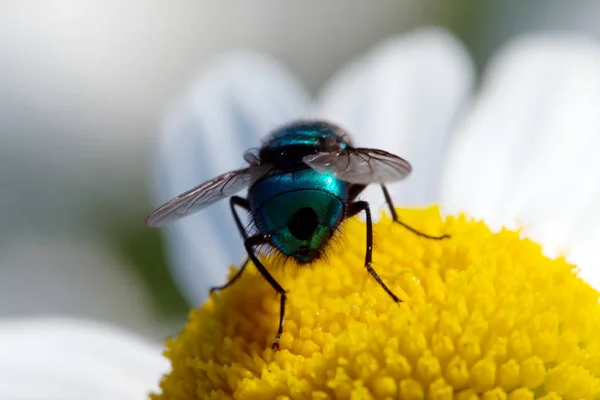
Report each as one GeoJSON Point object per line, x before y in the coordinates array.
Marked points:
{"type": "Point", "coordinates": [240, 202]}
{"type": "Point", "coordinates": [232, 280]}
{"type": "Point", "coordinates": [249, 244]}
{"type": "Point", "coordinates": [354, 209]}
{"type": "Point", "coordinates": [388, 200]}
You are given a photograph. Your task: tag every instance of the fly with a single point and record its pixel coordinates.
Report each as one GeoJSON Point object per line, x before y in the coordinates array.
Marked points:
{"type": "Point", "coordinates": [302, 184]}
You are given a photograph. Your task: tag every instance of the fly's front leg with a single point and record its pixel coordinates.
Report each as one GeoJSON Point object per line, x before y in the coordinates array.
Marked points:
{"type": "Point", "coordinates": [250, 243]}
{"type": "Point", "coordinates": [388, 200]}
{"type": "Point", "coordinates": [354, 209]}
{"type": "Point", "coordinates": [240, 202]}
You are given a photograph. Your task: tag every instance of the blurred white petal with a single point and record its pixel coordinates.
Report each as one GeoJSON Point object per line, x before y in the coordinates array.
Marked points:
{"type": "Point", "coordinates": [75, 360]}
{"type": "Point", "coordinates": [527, 153]}
{"type": "Point", "coordinates": [403, 97]}
{"type": "Point", "coordinates": [228, 110]}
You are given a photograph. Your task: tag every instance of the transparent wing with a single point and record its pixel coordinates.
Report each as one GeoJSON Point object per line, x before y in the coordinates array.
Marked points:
{"type": "Point", "coordinates": [201, 196]}
{"type": "Point", "coordinates": [361, 166]}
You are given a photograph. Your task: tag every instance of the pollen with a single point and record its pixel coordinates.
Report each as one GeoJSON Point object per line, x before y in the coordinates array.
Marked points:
{"type": "Point", "coordinates": [483, 315]}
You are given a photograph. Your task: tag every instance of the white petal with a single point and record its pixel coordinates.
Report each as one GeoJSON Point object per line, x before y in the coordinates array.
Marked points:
{"type": "Point", "coordinates": [228, 109]}
{"type": "Point", "coordinates": [403, 97]}
{"type": "Point", "coordinates": [71, 359]}
{"type": "Point", "coordinates": [527, 153]}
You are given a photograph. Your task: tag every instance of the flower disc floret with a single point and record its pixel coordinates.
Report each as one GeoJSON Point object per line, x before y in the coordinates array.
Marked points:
{"type": "Point", "coordinates": [483, 314]}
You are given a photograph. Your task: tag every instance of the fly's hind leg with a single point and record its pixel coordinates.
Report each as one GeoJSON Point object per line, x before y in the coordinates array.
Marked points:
{"type": "Point", "coordinates": [232, 280]}
{"type": "Point", "coordinates": [250, 243]}
{"type": "Point", "coordinates": [354, 209]}
{"type": "Point", "coordinates": [243, 203]}
{"type": "Point", "coordinates": [388, 200]}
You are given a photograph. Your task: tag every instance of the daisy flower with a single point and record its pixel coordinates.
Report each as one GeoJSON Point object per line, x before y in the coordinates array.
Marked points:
{"type": "Point", "coordinates": [487, 313]}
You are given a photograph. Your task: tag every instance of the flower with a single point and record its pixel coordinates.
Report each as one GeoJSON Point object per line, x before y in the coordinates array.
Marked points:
{"type": "Point", "coordinates": [63, 358]}
{"type": "Point", "coordinates": [482, 315]}
{"type": "Point", "coordinates": [539, 94]}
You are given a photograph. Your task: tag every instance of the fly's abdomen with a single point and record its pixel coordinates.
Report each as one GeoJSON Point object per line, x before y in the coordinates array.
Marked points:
{"type": "Point", "coordinates": [299, 210]}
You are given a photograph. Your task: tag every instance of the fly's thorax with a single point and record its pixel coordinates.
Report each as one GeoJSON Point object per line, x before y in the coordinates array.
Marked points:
{"type": "Point", "coordinates": [300, 210]}
{"type": "Point", "coordinates": [286, 146]}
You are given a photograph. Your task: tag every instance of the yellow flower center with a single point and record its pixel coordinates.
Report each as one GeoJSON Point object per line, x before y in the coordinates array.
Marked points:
{"type": "Point", "coordinates": [484, 314]}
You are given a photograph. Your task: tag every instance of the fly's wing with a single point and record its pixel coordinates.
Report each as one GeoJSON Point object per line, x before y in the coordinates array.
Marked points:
{"type": "Point", "coordinates": [360, 166]}
{"type": "Point", "coordinates": [201, 196]}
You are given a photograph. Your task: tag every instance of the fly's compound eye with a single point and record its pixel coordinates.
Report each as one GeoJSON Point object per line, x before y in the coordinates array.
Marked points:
{"type": "Point", "coordinates": [303, 223]}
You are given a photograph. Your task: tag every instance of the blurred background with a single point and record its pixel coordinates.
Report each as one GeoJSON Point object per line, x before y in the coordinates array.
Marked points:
{"type": "Point", "coordinates": [83, 89]}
